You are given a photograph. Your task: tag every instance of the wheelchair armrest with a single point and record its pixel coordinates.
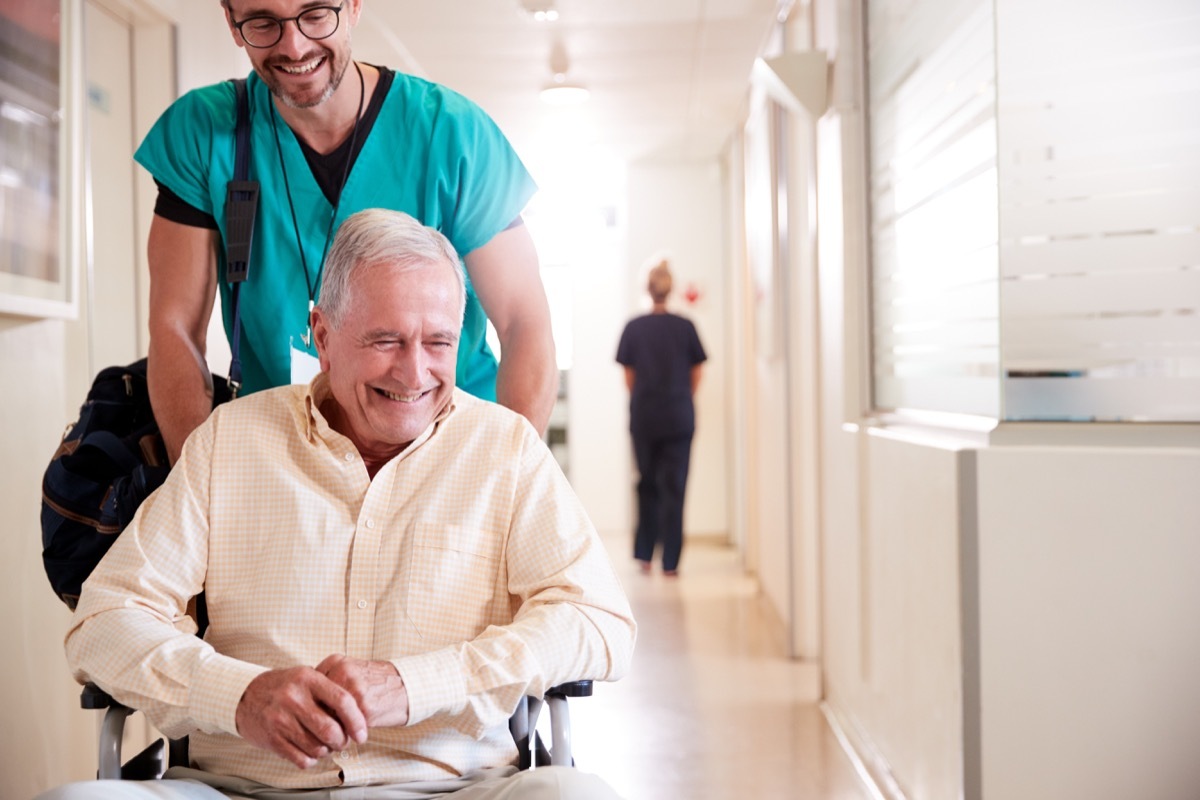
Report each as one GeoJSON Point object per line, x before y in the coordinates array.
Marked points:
{"type": "Point", "coordinates": [93, 697]}
{"type": "Point", "coordinates": [571, 689]}
{"type": "Point", "coordinates": [111, 729]}
{"type": "Point", "coordinates": [523, 723]}
{"type": "Point", "coordinates": [146, 765]}
{"type": "Point", "coordinates": [560, 720]}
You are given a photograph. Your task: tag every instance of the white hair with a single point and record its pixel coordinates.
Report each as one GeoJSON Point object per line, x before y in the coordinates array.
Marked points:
{"type": "Point", "coordinates": [381, 237]}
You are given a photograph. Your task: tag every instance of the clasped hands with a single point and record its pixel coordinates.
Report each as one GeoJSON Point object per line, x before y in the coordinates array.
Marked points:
{"type": "Point", "coordinates": [304, 714]}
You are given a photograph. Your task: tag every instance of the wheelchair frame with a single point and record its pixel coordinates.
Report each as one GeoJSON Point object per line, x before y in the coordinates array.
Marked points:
{"type": "Point", "coordinates": [153, 761]}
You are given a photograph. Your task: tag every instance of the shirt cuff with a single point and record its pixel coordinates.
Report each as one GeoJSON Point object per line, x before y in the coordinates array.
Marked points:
{"type": "Point", "coordinates": [217, 690]}
{"type": "Point", "coordinates": [434, 683]}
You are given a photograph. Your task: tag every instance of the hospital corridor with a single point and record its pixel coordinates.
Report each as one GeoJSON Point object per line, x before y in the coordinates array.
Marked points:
{"type": "Point", "coordinates": [885, 312]}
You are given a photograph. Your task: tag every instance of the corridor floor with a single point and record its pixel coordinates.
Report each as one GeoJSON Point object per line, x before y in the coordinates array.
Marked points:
{"type": "Point", "coordinates": [711, 709]}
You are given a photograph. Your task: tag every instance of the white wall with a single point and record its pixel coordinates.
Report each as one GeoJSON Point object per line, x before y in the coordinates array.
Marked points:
{"type": "Point", "coordinates": [46, 739]}
{"type": "Point", "coordinates": [598, 450]}
{"type": "Point", "coordinates": [778, 348]}
{"type": "Point", "coordinates": [207, 52]}
{"type": "Point", "coordinates": [893, 658]}
{"type": "Point", "coordinates": [762, 383]}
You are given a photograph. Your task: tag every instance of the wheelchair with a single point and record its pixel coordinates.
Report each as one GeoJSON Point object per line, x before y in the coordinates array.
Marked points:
{"type": "Point", "coordinates": [151, 763]}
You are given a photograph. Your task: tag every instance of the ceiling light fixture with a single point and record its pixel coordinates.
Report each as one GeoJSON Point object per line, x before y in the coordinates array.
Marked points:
{"type": "Point", "coordinates": [561, 91]}
{"type": "Point", "coordinates": [565, 94]}
{"type": "Point", "coordinates": [540, 10]}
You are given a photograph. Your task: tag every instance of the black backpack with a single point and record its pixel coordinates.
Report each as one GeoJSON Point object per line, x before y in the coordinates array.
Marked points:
{"type": "Point", "coordinates": [113, 457]}
{"type": "Point", "coordinates": [109, 461]}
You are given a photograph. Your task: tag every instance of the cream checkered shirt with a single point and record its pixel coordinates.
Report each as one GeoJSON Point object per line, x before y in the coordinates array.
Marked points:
{"type": "Point", "coordinates": [468, 562]}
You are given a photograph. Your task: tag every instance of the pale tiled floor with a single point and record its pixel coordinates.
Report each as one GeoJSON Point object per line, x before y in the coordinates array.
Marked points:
{"type": "Point", "coordinates": [711, 710]}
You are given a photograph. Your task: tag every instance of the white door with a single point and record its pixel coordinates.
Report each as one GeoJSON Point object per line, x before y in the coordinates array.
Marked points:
{"type": "Point", "coordinates": [110, 287]}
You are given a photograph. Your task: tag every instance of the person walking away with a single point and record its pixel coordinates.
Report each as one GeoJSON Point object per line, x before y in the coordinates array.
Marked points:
{"type": "Point", "coordinates": [662, 354]}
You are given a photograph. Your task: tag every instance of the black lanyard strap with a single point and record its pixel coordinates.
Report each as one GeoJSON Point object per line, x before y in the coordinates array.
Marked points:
{"type": "Point", "coordinates": [241, 207]}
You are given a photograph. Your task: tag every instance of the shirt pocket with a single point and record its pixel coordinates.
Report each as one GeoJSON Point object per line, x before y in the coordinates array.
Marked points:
{"type": "Point", "coordinates": [454, 586]}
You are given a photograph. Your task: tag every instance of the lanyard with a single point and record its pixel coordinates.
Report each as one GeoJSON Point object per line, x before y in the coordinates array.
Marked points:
{"type": "Point", "coordinates": [313, 281]}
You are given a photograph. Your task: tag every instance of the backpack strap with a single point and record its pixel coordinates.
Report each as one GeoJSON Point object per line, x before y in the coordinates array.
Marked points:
{"type": "Point", "coordinates": [241, 206]}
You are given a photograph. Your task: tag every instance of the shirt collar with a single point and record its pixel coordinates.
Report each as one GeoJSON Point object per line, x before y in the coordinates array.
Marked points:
{"type": "Point", "coordinates": [317, 428]}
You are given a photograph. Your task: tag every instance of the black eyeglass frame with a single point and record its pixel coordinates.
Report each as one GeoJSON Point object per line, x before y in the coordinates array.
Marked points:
{"type": "Point", "coordinates": [279, 22]}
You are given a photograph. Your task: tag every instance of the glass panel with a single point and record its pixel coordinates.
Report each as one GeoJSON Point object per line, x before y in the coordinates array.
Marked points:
{"type": "Point", "coordinates": [934, 206]}
{"type": "Point", "coordinates": [1099, 165]}
{"type": "Point", "coordinates": [30, 263]}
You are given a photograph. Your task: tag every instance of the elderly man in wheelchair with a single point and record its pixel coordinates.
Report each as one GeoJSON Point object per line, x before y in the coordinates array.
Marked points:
{"type": "Point", "coordinates": [389, 565]}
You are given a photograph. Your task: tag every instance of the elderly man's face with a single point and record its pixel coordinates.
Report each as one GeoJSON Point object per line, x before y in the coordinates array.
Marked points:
{"type": "Point", "coordinates": [301, 72]}
{"type": "Point", "coordinates": [391, 362]}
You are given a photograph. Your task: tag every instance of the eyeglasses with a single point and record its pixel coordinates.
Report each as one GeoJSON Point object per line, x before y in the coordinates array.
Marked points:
{"type": "Point", "coordinates": [319, 22]}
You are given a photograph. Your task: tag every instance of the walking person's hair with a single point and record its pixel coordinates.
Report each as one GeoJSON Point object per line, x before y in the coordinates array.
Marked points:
{"type": "Point", "coordinates": [659, 282]}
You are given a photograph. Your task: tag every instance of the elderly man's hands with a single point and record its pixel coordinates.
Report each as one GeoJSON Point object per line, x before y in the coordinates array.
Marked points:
{"type": "Point", "coordinates": [299, 714]}
{"type": "Point", "coordinates": [375, 685]}
{"type": "Point", "coordinates": [304, 714]}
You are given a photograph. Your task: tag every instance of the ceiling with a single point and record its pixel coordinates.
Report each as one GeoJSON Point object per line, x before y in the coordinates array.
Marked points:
{"type": "Point", "coordinates": [668, 78]}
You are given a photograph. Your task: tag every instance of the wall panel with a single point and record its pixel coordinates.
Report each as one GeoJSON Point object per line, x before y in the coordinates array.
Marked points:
{"type": "Point", "coordinates": [1089, 648]}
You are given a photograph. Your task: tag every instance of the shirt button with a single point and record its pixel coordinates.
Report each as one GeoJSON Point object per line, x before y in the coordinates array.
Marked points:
{"type": "Point", "coordinates": [370, 523]}
{"type": "Point", "coordinates": [362, 603]}
{"type": "Point", "coordinates": [344, 754]}
{"type": "Point", "coordinates": [349, 456]}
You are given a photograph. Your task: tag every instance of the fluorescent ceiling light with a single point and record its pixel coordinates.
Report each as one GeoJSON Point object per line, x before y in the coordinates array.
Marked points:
{"type": "Point", "coordinates": [540, 10]}
{"type": "Point", "coordinates": [565, 94]}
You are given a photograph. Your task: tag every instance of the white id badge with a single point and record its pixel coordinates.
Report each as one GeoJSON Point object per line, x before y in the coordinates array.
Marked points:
{"type": "Point", "coordinates": [305, 365]}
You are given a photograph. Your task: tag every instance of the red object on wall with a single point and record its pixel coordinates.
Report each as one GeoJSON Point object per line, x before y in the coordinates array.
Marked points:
{"type": "Point", "coordinates": [691, 294]}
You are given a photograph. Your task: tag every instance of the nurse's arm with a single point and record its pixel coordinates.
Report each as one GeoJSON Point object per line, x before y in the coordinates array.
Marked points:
{"type": "Point", "coordinates": [506, 278]}
{"type": "Point", "coordinates": [183, 286]}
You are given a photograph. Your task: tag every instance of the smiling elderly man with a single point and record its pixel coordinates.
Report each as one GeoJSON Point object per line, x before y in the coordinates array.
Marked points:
{"type": "Point", "coordinates": [389, 564]}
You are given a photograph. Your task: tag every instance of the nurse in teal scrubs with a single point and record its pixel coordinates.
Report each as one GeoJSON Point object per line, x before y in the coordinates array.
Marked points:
{"type": "Point", "coordinates": [329, 137]}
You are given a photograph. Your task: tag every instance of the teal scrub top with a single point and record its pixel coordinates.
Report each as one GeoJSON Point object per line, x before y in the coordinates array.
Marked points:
{"type": "Point", "coordinates": [431, 153]}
